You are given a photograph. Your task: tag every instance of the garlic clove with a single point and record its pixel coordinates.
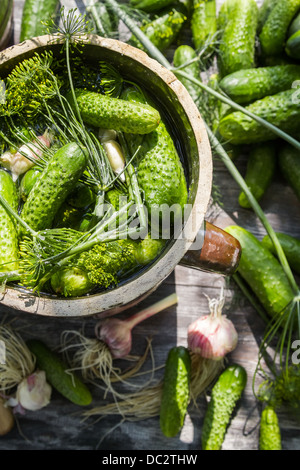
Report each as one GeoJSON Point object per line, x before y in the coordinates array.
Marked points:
{"type": "Point", "coordinates": [106, 135]}
{"type": "Point", "coordinates": [34, 393]}
{"type": "Point", "coordinates": [115, 156]}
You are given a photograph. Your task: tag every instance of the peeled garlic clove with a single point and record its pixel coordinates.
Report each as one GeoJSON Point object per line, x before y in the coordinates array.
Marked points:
{"type": "Point", "coordinates": [106, 135]}
{"type": "Point", "coordinates": [115, 156]}
{"type": "Point", "coordinates": [34, 393]}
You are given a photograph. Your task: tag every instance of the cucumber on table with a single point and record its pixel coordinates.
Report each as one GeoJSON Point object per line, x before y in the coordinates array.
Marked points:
{"type": "Point", "coordinates": [290, 246]}
{"type": "Point", "coordinates": [224, 397]}
{"type": "Point", "coordinates": [176, 391]}
{"type": "Point", "coordinates": [281, 110]}
{"type": "Point", "coordinates": [203, 22]}
{"type": "Point", "coordinates": [57, 374]}
{"type": "Point", "coordinates": [8, 231]}
{"type": "Point", "coordinates": [253, 84]}
{"type": "Point", "coordinates": [289, 165]}
{"type": "Point", "coordinates": [274, 31]}
{"type": "Point", "coordinates": [262, 272]}
{"type": "Point", "coordinates": [114, 113]}
{"type": "Point", "coordinates": [53, 186]}
{"type": "Point", "coordinates": [34, 12]}
{"type": "Point", "coordinates": [260, 171]}
{"type": "Point", "coordinates": [237, 23]}
{"type": "Point", "coordinates": [270, 436]}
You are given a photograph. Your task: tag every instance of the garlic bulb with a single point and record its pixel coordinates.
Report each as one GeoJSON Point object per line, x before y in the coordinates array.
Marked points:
{"type": "Point", "coordinates": [34, 393]}
{"type": "Point", "coordinates": [213, 336]}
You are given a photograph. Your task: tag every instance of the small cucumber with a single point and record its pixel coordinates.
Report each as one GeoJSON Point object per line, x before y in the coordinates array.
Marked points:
{"type": "Point", "coordinates": [290, 246]}
{"type": "Point", "coordinates": [57, 374]}
{"type": "Point", "coordinates": [224, 397]}
{"type": "Point", "coordinates": [28, 181]}
{"type": "Point", "coordinates": [270, 436]}
{"type": "Point", "coordinates": [34, 12]}
{"type": "Point", "coordinates": [249, 85]}
{"type": "Point", "coordinates": [260, 171]}
{"type": "Point", "coordinates": [150, 6]}
{"type": "Point", "coordinates": [53, 186]}
{"type": "Point", "coordinates": [114, 113]}
{"type": "Point", "coordinates": [176, 391]}
{"type": "Point", "coordinates": [289, 164]}
{"type": "Point", "coordinates": [182, 55]}
{"type": "Point", "coordinates": [237, 25]}
{"type": "Point", "coordinates": [274, 31]}
{"type": "Point", "coordinates": [292, 47]}
{"type": "Point", "coordinates": [281, 110]}
{"type": "Point", "coordinates": [163, 30]}
{"type": "Point", "coordinates": [294, 26]}
{"type": "Point", "coordinates": [262, 272]}
{"type": "Point", "coordinates": [263, 13]}
{"type": "Point", "coordinates": [203, 22]}
{"type": "Point", "coordinates": [9, 251]}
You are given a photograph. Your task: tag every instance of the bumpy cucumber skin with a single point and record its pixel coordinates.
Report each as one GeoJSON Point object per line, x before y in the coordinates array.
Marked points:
{"type": "Point", "coordinates": [262, 272]}
{"type": "Point", "coordinates": [8, 231]}
{"type": "Point", "coordinates": [203, 22]}
{"type": "Point", "coordinates": [163, 30]}
{"type": "Point", "coordinates": [289, 164]}
{"type": "Point", "coordinates": [225, 394]}
{"type": "Point", "coordinates": [176, 391]}
{"type": "Point", "coordinates": [264, 12]}
{"type": "Point", "coordinates": [293, 46]}
{"type": "Point", "coordinates": [237, 43]}
{"type": "Point", "coordinates": [270, 436]}
{"type": "Point", "coordinates": [260, 171]}
{"type": "Point", "coordinates": [113, 113]}
{"type": "Point", "coordinates": [281, 110]}
{"type": "Point", "coordinates": [182, 55]}
{"type": "Point", "coordinates": [249, 85]}
{"type": "Point", "coordinates": [290, 246]}
{"type": "Point", "coordinates": [68, 384]}
{"type": "Point", "coordinates": [273, 34]}
{"type": "Point", "coordinates": [35, 11]}
{"type": "Point", "coordinates": [53, 186]}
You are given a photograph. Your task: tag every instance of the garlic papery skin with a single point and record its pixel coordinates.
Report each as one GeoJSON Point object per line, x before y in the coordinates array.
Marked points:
{"type": "Point", "coordinates": [212, 336]}
{"type": "Point", "coordinates": [34, 393]}
{"type": "Point", "coordinates": [115, 156]}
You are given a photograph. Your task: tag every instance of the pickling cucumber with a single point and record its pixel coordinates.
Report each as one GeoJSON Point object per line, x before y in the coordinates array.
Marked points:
{"type": "Point", "coordinates": [182, 55]}
{"type": "Point", "coordinates": [53, 186]}
{"type": "Point", "coordinates": [262, 272]}
{"type": "Point", "coordinates": [281, 110]}
{"type": "Point", "coordinates": [261, 166]}
{"type": "Point", "coordinates": [270, 435]}
{"type": "Point", "coordinates": [249, 85]}
{"type": "Point", "coordinates": [203, 22]}
{"type": "Point", "coordinates": [114, 113]}
{"type": "Point", "coordinates": [294, 26]}
{"type": "Point", "coordinates": [28, 181]}
{"type": "Point", "coordinates": [34, 12]}
{"type": "Point", "coordinates": [289, 164]}
{"type": "Point", "coordinates": [292, 47]}
{"type": "Point", "coordinates": [65, 382]}
{"type": "Point", "coordinates": [224, 397]}
{"type": "Point", "coordinates": [8, 230]}
{"type": "Point", "coordinates": [150, 6]}
{"type": "Point", "coordinates": [237, 25]}
{"type": "Point", "coordinates": [264, 12]}
{"type": "Point", "coordinates": [176, 391]}
{"type": "Point", "coordinates": [290, 246]}
{"type": "Point", "coordinates": [274, 31]}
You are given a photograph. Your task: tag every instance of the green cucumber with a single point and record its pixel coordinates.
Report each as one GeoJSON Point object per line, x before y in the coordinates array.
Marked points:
{"type": "Point", "coordinates": [294, 26]}
{"type": "Point", "coordinates": [264, 12]}
{"type": "Point", "coordinates": [249, 85]}
{"type": "Point", "coordinates": [182, 55]}
{"type": "Point", "coordinates": [262, 272]}
{"type": "Point", "coordinates": [53, 186]}
{"type": "Point", "coordinates": [237, 25]}
{"type": "Point", "coordinates": [281, 110]}
{"type": "Point", "coordinates": [290, 246]}
{"type": "Point", "coordinates": [274, 31]}
{"type": "Point", "coordinates": [114, 113]}
{"type": "Point", "coordinates": [34, 12]}
{"type": "Point", "coordinates": [270, 436]}
{"type": "Point", "coordinates": [224, 397]}
{"type": "Point", "coordinates": [163, 30]}
{"type": "Point", "coordinates": [176, 391]}
{"type": "Point", "coordinates": [292, 47]}
{"type": "Point", "coordinates": [65, 382]}
{"type": "Point", "coordinates": [260, 171]}
{"type": "Point", "coordinates": [9, 251]}
{"type": "Point", "coordinates": [28, 181]}
{"type": "Point", "coordinates": [150, 6]}
{"type": "Point", "coordinates": [289, 164]}
{"type": "Point", "coordinates": [203, 22]}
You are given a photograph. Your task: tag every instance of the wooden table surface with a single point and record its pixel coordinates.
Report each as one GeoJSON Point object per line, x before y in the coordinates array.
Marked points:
{"type": "Point", "coordinates": [60, 426]}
